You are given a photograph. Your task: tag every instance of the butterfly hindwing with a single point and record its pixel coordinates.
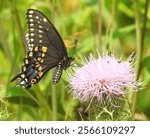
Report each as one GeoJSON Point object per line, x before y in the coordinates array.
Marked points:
{"type": "Point", "coordinates": [35, 65]}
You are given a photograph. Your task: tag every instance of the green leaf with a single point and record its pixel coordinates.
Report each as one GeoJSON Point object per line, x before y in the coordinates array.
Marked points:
{"type": "Point", "coordinates": [16, 91]}
{"type": "Point", "coordinates": [123, 31]}
{"type": "Point", "coordinates": [126, 10]}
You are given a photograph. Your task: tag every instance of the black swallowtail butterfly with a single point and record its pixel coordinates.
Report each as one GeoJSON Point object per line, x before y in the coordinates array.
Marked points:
{"type": "Point", "coordinates": [45, 49]}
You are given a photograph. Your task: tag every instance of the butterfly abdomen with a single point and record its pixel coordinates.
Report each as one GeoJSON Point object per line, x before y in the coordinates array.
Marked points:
{"type": "Point", "coordinates": [57, 74]}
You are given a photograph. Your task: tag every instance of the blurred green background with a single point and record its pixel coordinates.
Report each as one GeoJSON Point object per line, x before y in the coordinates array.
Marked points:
{"type": "Point", "coordinates": [74, 19]}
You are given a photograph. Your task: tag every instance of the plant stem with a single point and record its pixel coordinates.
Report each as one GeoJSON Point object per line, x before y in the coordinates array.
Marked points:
{"type": "Point", "coordinates": [53, 87]}
{"type": "Point", "coordinates": [43, 103]}
{"type": "Point", "coordinates": [138, 53]}
{"type": "Point", "coordinates": [139, 47]}
{"type": "Point", "coordinates": [5, 45]}
{"type": "Point", "coordinates": [100, 26]}
{"type": "Point", "coordinates": [18, 22]}
{"type": "Point", "coordinates": [109, 27]}
{"type": "Point", "coordinates": [54, 103]}
{"type": "Point", "coordinates": [143, 33]}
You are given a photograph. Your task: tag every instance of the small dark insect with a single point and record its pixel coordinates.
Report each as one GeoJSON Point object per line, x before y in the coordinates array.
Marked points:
{"type": "Point", "coordinates": [45, 49]}
{"type": "Point", "coordinates": [75, 41]}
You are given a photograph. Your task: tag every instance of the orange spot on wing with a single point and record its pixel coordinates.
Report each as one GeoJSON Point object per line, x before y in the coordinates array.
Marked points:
{"type": "Point", "coordinates": [33, 80]}
{"type": "Point", "coordinates": [40, 73]}
{"type": "Point", "coordinates": [44, 49]}
{"type": "Point", "coordinates": [36, 62]}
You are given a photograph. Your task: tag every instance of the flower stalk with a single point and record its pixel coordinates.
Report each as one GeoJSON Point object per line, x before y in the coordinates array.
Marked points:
{"type": "Point", "coordinates": [140, 35]}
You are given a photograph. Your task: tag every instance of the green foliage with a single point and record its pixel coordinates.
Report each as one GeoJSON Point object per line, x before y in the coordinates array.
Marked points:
{"type": "Point", "coordinates": [110, 110]}
{"type": "Point", "coordinates": [76, 19]}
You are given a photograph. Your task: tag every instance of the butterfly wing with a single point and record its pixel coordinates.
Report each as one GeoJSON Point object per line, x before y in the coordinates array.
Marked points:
{"type": "Point", "coordinates": [41, 30]}
{"type": "Point", "coordinates": [45, 49]}
{"type": "Point", "coordinates": [35, 66]}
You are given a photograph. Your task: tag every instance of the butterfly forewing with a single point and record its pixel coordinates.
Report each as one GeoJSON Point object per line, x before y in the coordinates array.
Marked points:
{"type": "Point", "coordinates": [41, 30]}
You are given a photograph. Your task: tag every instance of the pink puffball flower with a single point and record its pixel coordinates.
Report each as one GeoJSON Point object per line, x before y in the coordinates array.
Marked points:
{"type": "Point", "coordinates": [104, 77]}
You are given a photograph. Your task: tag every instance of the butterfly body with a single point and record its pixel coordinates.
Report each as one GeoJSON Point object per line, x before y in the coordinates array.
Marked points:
{"type": "Point", "coordinates": [45, 50]}
{"type": "Point", "coordinates": [63, 65]}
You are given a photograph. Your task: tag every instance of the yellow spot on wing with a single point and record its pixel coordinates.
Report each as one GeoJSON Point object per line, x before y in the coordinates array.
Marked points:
{"type": "Point", "coordinates": [43, 54]}
{"type": "Point", "coordinates": [24, 68]}
{"type": "Point", "coordinates": [30, 16]}
{"type": "Point", "coordinates": [37, 17]}
{"type": "Point", "coordinates": [31, 29]}
{"type": "Point", "coordinates": [31, 24]}
{"type": "Point", "coordinates": [30, 54]}
{"type": "Point", "coordinates": [22, 75]}
{"type": "Point", "coordinates": [31, 20]}
{"type": "Point", "coordinates": [26, 61]}
{"type": "Point", "coordinates": [44, 19]}
{"type": "Point", "coordinates": [44, 49]}
{"type": "Point", "coordinates": [40, 68]}
{"type": "Point", "coordinates": [40, 31]}
{"type": "Point", "coordinates": [39, 58]}
{"type": "Point", "coordinates": [31, 39]}
{"type": "Point", "coordinates": [37, 65]}
{"type": "Point", "coordinates": [32, 34]}
{"type": "Point", "coordinates": [31, 12]}
{"type": "Point", "coordinates": [36, 48]}
{"type": "Point", "coordinates": [40, 41]}
{"type": "Point", "coordinates": [40, 36]}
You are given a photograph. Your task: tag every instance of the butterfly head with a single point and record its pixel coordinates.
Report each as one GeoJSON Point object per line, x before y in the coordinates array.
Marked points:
{"type": "Point", "coordinates": [68, 62]}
